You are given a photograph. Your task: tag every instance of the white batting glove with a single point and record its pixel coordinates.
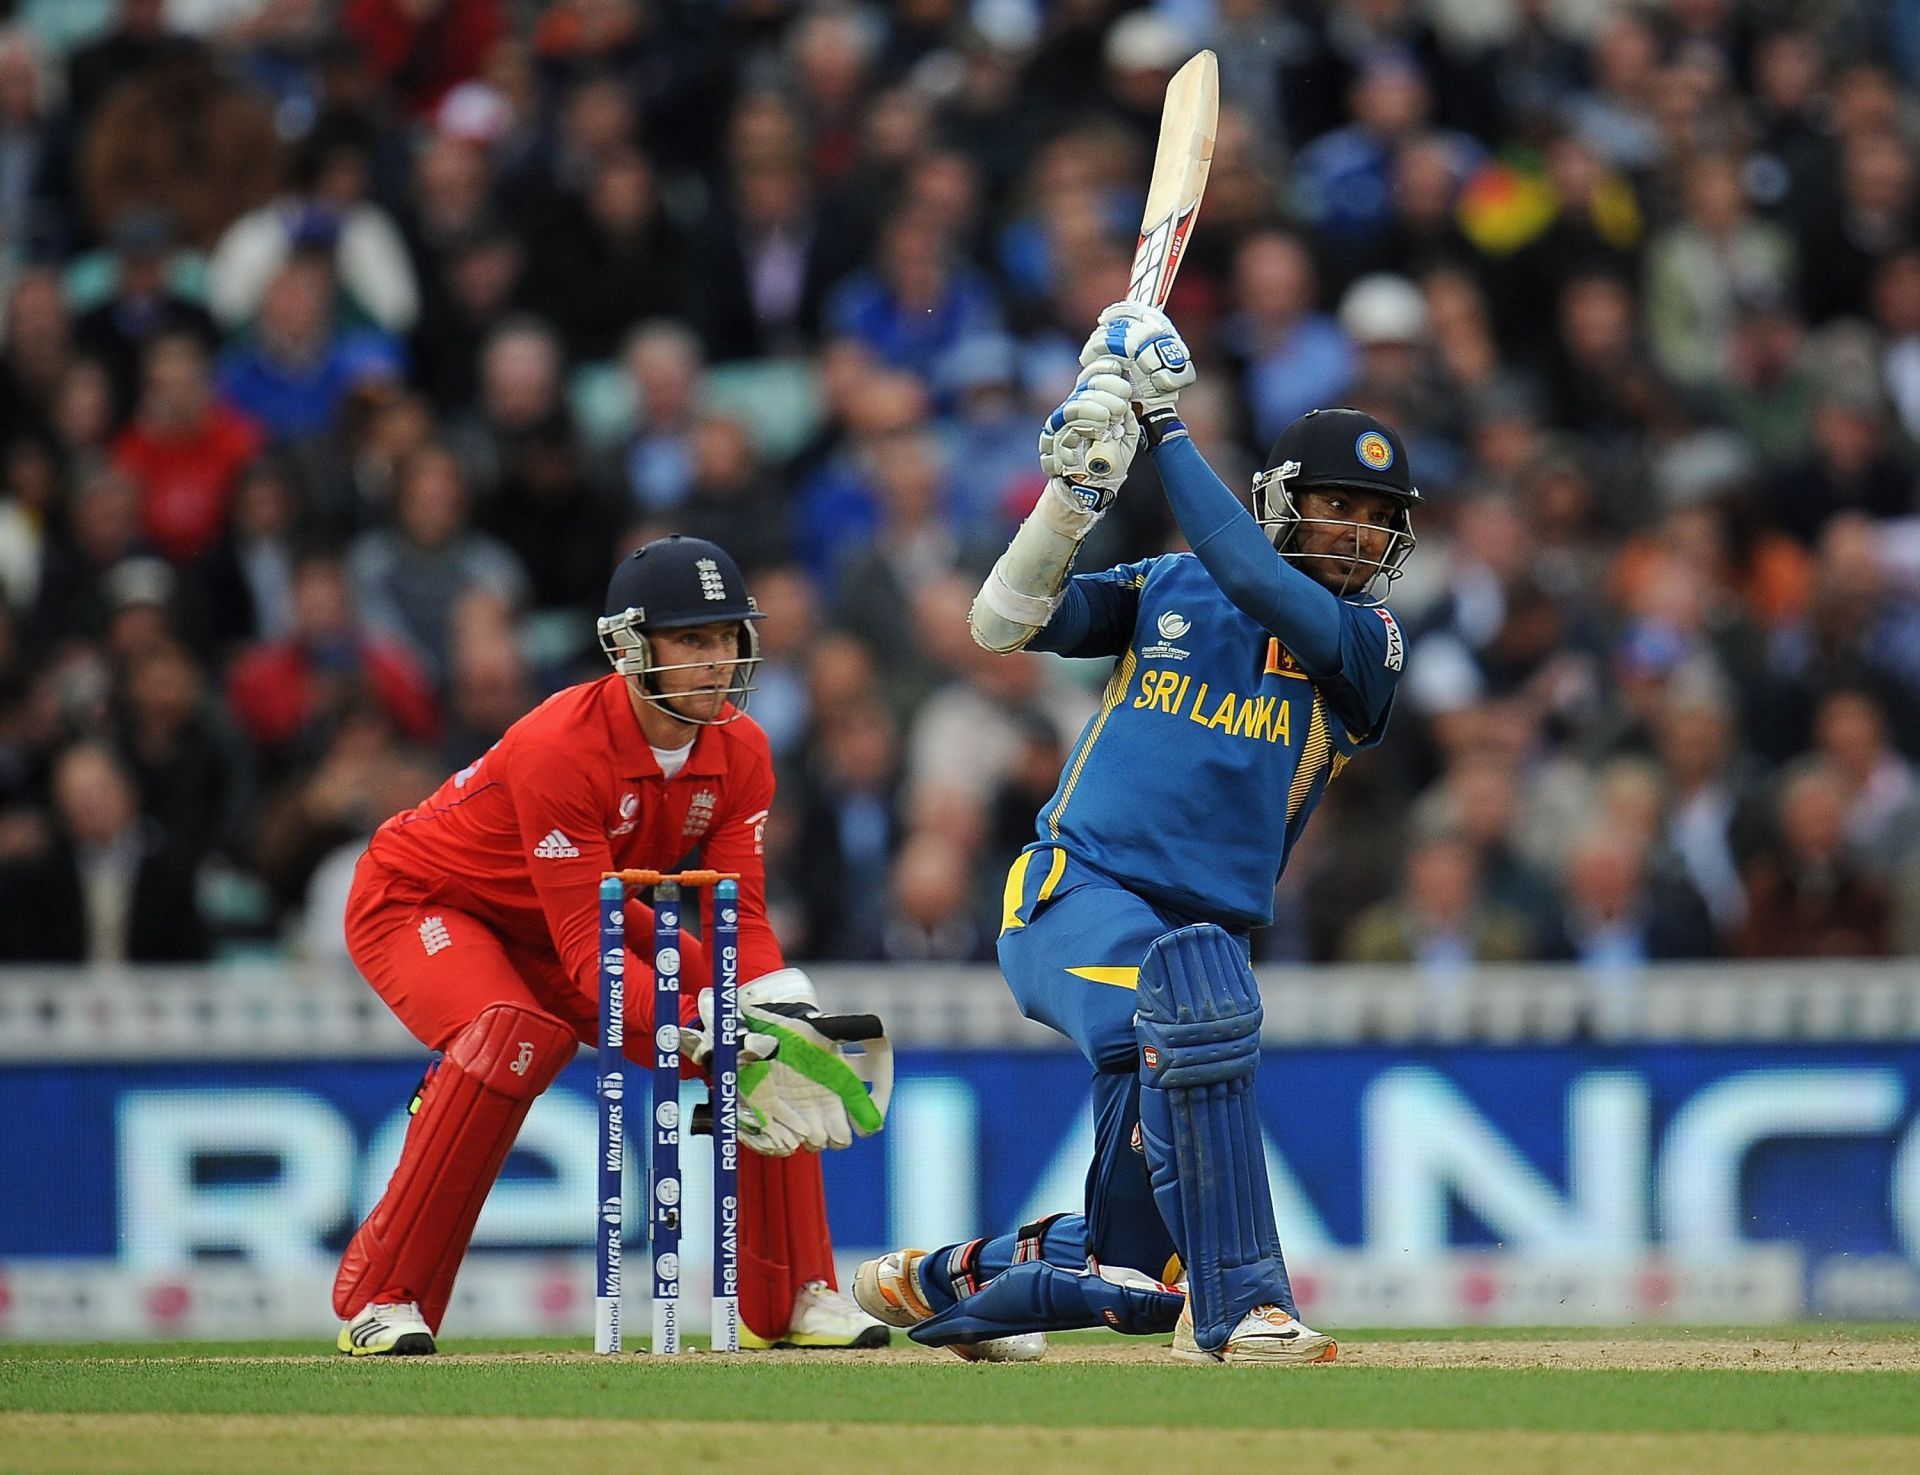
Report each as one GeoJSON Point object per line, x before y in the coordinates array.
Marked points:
{"type": "Point", "coordinates": [1156, 358]}
{"type": "Point", "coordinates": [1088, 443]}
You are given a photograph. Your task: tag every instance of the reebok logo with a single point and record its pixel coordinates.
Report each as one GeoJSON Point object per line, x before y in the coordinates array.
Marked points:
{"type": "Point", "coordinates": [556, 847]}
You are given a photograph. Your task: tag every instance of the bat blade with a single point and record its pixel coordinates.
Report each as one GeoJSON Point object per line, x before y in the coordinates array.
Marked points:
{"type": "Point", "coordinates": [1189, 119]}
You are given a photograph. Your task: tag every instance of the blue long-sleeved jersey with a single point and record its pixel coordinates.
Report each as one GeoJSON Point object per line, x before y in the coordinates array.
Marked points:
{"type": "Point", "coordinates": [1240, 688]}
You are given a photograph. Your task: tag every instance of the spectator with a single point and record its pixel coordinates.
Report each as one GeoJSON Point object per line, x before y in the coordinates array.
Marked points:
{"type": "Point", "coordinates": [767, 259]}
{"type": "Point", "coordinates": [619, 261]}
{"type": "Point", "coordinates": [256, 571]}
{"type": "Point", "coordinates": [144, 306]}
{"type": "Point", "coordinates": [850, 828]}
{"type": "Point", "coordinates": [35, 150]}
{"type": "Point", "coordinates": [735, 495]}
{"type": "Point", "coordinates": [1709, 821]}
{"type": "Point", "coordinates": [988, 434]}
{"type": "Point", "coordinates": [1614, 916]}
{"type": "Point", "coordinates": [968, 733]}
{"type": "Point", "coordinates": [192, 770]}
{"type": "Point", "coordinates": [84, 414]}
{"type": "Point", "coordinates": [407, 579]}
{"type": "Point", "coordinates": [289, 694]}
{"type": "Point", "coordinates": [1477, 805]}
{"type": "Point", "coordinates": [664, 365]}
{"type": "Point", "coordinates": [30, 487]}
{"type": "Point", "coordinates": [876, 585]}
{"type": "Point", "coordinates": [490, 687]}
{"type": "Point", "coordinates": [932, 916]}
{"type": "Point", "coordinates": [300, 365]}
{"type": "Point", "coordinates": [1292, 357]}
{"type": "Point", "coordinates": [1874, 217]}
{"type": "Point", "coordinates": [422, 49]}
{"type": "Point", "coordinates": [1881, 792]}
{"type": "Point", "coordinates": [35, 355]}
{"type": "Point", "coordinates": [1771, 382]}
{"type": "Point", "coordinates": [1809, 899]}
{"type": "Point", "coordinates": [1441, 922]}
{"type": "Point", "coordinates": [185, 451]}
{"type": "Point", "coordinates": [1698, 270]}
{"type": "Point", "coordinates": [109, 888]}
{"type": "Point", "coordinates": [1853, 466]}
{"type": "Point", "coordinates": [480, 283]}
{"type": "Point", "coordinates": [920, 302]}
{"type": "Point", "coordinates": [102, 530]}
{"type": "Point", "coordinates": [325, 210]}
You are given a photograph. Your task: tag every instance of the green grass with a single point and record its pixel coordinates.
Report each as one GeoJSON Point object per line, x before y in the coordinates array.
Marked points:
{"type": "Point", "coordinates": [291, 1379]}
{"type": "Point", "coordinates": [292, 1408]}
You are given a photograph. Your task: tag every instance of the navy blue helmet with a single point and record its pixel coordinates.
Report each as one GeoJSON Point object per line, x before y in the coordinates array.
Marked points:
{"type": "Point", "coordinates": [671, 584]}
{"type": "Point", "coordinates": [1326, 450]}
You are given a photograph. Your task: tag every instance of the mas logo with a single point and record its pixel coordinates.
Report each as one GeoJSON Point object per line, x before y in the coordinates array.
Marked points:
{"type": "Point", "coordinates": [1374, 450]}
{"type": "Point", "coordinates": [1396, 650]}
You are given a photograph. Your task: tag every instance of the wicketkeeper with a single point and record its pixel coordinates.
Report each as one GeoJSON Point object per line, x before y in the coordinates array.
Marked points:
{"type": "Point", "coordinates": [475, 916]}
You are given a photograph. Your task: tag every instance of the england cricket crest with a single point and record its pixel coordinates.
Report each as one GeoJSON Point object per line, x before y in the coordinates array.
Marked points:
{"type": "Point", "coordinates": [699, 815]}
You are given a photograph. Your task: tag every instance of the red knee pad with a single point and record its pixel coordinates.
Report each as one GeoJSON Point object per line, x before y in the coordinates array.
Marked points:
{"type": "Point", "coordinates": [469, 1114]}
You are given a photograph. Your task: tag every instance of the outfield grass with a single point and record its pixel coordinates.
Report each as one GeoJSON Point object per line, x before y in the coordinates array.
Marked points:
{"type": "Point", "coordinates": [1099, 1404]}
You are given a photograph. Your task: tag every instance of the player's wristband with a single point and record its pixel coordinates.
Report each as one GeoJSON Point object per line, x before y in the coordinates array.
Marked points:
{"type": "Point", "coordinates": [1161, 425]}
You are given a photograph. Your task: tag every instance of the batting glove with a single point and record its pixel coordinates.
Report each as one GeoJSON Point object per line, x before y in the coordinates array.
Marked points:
{"type": "Point", "coordinates": [1088, 443]}
{"type": "Point", "coordinates": [1145, 340]}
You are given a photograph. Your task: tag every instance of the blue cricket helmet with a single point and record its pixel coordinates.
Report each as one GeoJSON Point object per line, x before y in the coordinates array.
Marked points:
{"type": "Point", "coordinates": [674, 583]}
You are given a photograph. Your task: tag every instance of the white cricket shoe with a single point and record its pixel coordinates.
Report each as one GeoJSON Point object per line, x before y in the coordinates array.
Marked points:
{"type": "Point", "coordinates": [822, 1317]}
{"type": "Point", "coordinates": [387, 1329]}
{"type": "Point", "coordinates": [1265, 1334]}
{"type": "Point", "coordinates": [889, 1288]}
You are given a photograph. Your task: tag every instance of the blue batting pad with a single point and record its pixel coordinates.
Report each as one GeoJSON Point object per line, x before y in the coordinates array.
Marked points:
{"type": "Point", "coordinates": [1198, 1022]}
{"type": "Point", "coordinates": [1038, 1297]}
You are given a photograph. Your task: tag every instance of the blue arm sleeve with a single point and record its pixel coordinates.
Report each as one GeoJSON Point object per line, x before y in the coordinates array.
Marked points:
{"type": "Point", "coordinates": [1096, 614]}
{"type": "Point", "coordinates": [1262, 585]}
{"type": "Point", "coordinates": [1354, 651]}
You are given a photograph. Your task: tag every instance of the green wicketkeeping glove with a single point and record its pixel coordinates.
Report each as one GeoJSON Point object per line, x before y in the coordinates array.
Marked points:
{"type": "Point", "coordinates": [806, 1091]}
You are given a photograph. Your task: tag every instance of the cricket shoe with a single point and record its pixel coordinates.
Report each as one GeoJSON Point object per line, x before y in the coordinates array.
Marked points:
{"type": "Point", "coordinates": [822, 1317]}
{"type": "Point", "coordinates": [387, 1329]}
{"type": "Point", "coordinates": [1265, 1334]}
{"type": "Point", "coordinates": [889, 1288]}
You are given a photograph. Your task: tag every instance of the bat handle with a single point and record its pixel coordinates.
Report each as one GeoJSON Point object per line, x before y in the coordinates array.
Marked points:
{"type": "Point", "coordinates": [1099, 465]}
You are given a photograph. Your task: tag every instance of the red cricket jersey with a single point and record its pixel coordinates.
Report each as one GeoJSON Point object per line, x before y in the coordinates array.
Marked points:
{"type": "Point", "coordinates": [521, 837]}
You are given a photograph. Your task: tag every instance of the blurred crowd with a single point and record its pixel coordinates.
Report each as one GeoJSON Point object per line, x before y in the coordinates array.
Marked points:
{"type": "Point", "coordinates": [345, 345]}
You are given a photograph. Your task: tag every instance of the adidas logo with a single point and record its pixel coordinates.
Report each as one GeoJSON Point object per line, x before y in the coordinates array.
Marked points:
{"type": "Point", "coordinates": [556, 847]}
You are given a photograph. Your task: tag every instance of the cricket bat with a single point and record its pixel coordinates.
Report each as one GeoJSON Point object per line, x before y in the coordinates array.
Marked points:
{"type": "Point", "coordinates": [1189, 118]}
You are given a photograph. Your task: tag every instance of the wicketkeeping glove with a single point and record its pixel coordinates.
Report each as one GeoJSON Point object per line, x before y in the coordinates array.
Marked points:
{"type": "Point", "coordinates": [798, 1087]}
{"type": "Point", "coordinates": [1156, 358]}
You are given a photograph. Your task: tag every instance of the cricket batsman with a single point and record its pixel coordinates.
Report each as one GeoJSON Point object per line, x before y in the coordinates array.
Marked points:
{"type": "Point", "coordinates": [476, 917]}
{"type": "Point", "coordinates": [1246, 675]}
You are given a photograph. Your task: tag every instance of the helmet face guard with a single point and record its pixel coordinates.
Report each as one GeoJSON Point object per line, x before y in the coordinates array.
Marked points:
{"type": "Point", "coordinates": [1277, 511]}
{"type": "Point", "coordinates": [624, 639]}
